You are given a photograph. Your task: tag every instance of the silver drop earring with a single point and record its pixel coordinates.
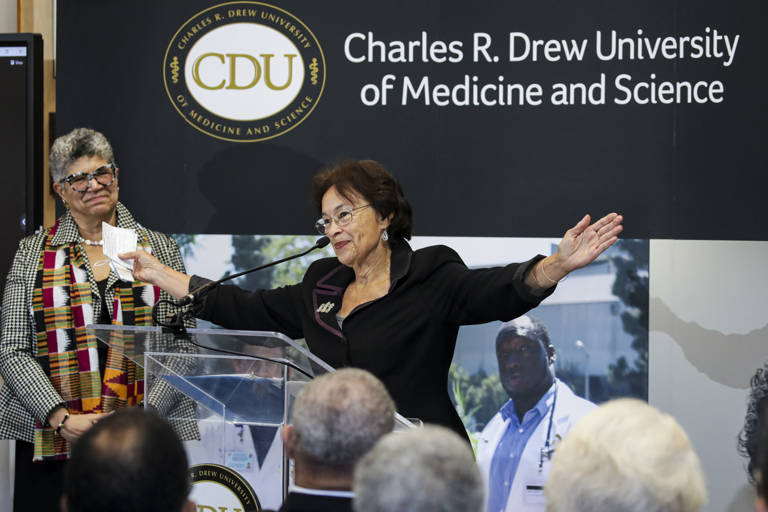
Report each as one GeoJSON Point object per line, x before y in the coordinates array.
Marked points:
{"type": "Point", "coordinates": [384, 235]}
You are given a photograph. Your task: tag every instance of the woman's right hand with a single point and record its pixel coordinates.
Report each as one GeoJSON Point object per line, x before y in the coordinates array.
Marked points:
{"type": "Point", "coordinates": [75, 425]}
{"type": "Point", "coordinates": [147, 268]}
{"type": "Point", "coordinates": [78, 424]}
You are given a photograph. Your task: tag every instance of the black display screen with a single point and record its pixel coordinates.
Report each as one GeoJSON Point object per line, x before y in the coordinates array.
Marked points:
{"type": "Point", "coordinates": [20, 141]}
{"type": "Point", "coordinates": [13, 103]}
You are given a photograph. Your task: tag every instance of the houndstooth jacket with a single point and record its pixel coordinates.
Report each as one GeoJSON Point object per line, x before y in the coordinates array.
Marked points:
{"type": "Point", "coordinates": [27, 393]}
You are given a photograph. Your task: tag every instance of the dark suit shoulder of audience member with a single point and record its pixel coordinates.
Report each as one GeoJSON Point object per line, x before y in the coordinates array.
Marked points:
{"type": "Point", "coordinates": [302, 502]}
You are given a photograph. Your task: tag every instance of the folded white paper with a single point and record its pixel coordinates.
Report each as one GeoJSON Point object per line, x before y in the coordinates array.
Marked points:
{"type": "Point", "coordinates": [117, 241]}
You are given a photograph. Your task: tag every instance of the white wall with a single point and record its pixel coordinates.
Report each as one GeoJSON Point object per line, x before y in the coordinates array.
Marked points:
{"type": "Point", "coordinates": [7, 16]}
{"type": "Point", "coordinates": [708, 335]}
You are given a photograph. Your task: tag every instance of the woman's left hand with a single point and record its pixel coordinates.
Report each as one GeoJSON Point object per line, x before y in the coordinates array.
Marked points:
{"type": "Point", "coordinates": [584, 242]}
{"type": "Point", "coordinates": [579, 247]}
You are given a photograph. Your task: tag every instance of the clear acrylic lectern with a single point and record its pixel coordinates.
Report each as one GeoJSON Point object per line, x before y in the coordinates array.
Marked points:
{"type": "Point", "coordinates": [232, 390]}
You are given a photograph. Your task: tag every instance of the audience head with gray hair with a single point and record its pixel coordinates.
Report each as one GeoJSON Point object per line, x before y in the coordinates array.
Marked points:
{"type": "Point", "coordinates": [429, 469]}
{"type": "Point", "coordinates": [628, 456]}
{"type": "Point", "coordinates": [337, 418]}
{"type": "Point", "coordinates": [80, 142]}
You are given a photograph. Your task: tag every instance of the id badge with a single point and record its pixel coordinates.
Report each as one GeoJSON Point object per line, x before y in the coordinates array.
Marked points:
{"type": "Point", "coordinates": [533, 494]}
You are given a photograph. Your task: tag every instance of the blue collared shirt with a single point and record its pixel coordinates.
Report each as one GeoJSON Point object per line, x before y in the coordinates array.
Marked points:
{"type": "Point", "coordinates": [508, 452]}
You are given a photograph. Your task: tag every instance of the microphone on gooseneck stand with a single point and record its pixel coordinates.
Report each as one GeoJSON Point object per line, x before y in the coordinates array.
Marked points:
{"type": "Point", "coordinates": [177, 322]}
{"type": "Point", "coordinates": [202, 290]}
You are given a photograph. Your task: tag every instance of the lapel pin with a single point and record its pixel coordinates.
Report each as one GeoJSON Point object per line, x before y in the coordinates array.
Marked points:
{"type": "Point", "coordinates": [325, 307]}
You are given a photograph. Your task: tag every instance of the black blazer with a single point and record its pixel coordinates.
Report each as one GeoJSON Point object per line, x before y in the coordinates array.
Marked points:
{"type": "Point", "coordinates": [405, 338]}
{"type": "Point", "coordinates": [299, 502]}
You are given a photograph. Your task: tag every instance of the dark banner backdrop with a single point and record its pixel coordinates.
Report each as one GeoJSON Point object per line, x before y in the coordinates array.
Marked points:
{"type": "Point", "coordinates": [684, 169]}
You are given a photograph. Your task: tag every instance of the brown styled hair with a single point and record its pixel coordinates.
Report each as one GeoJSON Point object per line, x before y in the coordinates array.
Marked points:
{"type": "Point", "coordinates": [375, 184]}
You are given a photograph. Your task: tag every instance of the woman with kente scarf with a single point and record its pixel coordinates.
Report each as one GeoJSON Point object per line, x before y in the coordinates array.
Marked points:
{"type": "Point", "coordinates": [59, 381]}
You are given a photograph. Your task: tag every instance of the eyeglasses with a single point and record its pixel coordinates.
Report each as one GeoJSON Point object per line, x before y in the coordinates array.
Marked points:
{"type": "Point", "coordinates": [343, 217]}
{"type": "Point", "coordinates": [104, 175]}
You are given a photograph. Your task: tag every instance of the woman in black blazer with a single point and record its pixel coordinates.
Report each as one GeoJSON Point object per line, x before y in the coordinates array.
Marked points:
{"type": "Point", "coordinates": [380, 306]}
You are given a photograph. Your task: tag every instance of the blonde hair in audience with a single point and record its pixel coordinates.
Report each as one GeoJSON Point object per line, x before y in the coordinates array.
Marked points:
{"type": "Point", "coordinates": [627, 456]}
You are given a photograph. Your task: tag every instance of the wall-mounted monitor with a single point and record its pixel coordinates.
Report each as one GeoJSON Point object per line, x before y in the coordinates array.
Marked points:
{"type": "Point", "coordinates": [21, 141]}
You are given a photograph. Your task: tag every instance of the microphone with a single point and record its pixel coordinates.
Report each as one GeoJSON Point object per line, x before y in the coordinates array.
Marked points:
{"type": "Point", "coordinates": [201, 290]}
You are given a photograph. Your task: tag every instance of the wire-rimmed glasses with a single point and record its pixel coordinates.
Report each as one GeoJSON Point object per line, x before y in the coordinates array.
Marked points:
{"type": "Point", "coordinates": [343, 217]}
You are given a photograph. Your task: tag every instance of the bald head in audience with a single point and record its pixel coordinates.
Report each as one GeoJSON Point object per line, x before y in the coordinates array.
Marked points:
{"type": "Point", "coordinates": [625, 456]}
{"type": "Point", "coordinates": [429, 469]}
{"type": "Point", "coordinates": [130, 461]}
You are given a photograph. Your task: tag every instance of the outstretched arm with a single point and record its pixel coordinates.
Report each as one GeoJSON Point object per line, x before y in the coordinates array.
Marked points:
{"type": "Point", "coordinates": [149, 269]}
{"type": "Point", "coordinates": [579, 247]}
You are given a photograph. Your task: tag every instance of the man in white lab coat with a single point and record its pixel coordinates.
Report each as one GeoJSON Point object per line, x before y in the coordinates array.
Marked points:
{"type": "Point", "coordinates": [515, 448]}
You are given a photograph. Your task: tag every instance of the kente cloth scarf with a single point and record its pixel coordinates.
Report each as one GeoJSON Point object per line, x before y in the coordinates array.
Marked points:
{"type": "Point", "coordinates": [62, 307]}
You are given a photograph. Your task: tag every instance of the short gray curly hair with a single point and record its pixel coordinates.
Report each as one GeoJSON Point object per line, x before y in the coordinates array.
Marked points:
{"type": "Point", "coordinates": [339, 416]}
{"type": "Point", "coordinates": [429, 469]}
{"type": "Point", "coordinates": [75, 144]}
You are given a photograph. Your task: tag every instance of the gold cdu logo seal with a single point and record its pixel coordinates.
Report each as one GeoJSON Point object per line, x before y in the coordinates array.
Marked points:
{"type": "Point", "coordinates": [217, 488]}
{"type": "Point", "coordinates": [244, 71]}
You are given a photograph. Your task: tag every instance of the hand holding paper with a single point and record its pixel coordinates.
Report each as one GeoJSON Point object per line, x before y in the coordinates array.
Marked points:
{"type": "Point", "coordinates": [118, 241]}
